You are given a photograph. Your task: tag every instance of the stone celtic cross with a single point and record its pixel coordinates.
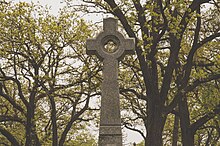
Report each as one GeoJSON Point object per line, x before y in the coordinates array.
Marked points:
{"type": "Point", "coordinates": [110, 46]}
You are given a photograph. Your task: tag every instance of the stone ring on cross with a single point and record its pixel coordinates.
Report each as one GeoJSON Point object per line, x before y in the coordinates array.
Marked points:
{"type": "Point", "coordinates": [110, 43]}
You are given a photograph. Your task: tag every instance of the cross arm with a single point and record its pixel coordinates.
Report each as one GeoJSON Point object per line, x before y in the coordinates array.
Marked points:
{"type": "Point", "coordinates": [129, 46]}
{"type": "Point", "coordinates": [91, 47]}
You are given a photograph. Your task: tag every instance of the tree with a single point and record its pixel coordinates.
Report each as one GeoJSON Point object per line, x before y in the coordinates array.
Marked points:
{"type": "Point", "coordinates": [46, 82]}
{"type": "Point", "coordinates": [169, 37]}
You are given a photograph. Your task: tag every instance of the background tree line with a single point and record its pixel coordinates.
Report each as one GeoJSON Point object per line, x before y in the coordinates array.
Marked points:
{"type": "Point", "coordinates": [46, 82]}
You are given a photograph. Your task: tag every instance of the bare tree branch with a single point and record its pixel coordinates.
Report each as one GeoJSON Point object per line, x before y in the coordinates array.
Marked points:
{"type": "Point", "coordinates": [201, 121]}
{"type": "Point", "coordinates": [134, 129]}
{"type": "Point", "coordinates": [9, 136]}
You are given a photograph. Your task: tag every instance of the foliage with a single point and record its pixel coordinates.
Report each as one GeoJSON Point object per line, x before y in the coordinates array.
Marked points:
{"type": "Point", "coordinates": [46, 82]}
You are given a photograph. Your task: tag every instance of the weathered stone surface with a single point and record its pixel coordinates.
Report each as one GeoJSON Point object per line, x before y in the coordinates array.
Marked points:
{"type": "Point", "coordinates": [110, 33]}
{"type": "Point", "coordinates": [113, 140]}
{"type": "Point", "coordinates": [110, 46]}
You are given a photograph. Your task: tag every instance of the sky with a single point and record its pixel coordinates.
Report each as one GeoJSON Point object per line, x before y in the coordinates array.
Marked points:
{"type": "Point", "coordinates": [55, 5]}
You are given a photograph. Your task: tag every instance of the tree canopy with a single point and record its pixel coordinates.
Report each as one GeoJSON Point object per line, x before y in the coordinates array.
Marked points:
{"type": "Point", "coordinates": [45, 85]}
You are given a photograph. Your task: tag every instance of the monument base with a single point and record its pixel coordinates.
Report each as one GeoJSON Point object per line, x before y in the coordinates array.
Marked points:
{"type": "Point", "coordinates": [110, 135]}
{"type": "Point", "coordinates": [110, 140]}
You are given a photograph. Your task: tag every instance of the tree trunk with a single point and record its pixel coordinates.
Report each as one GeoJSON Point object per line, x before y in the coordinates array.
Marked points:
{"type": "Point", "coordinates": [187, 134]}
{"type": "Point", "coordinates": [155, 124]}
{"type": "Point", "coordinates": [54, 121]}
{"type": "Point", "coordinates": [30, 139]}
{"type": "Point", "coordinates": [175, 130]}
{"type": "Point", "coordinates": [188, 138]}
{"type": "Point", "coordinates": [31, 136]}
